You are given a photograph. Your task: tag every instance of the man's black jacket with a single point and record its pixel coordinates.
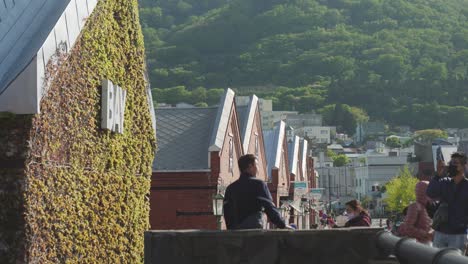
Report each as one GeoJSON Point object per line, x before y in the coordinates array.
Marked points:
{"type": "Point", "coordinates": [243, 203]}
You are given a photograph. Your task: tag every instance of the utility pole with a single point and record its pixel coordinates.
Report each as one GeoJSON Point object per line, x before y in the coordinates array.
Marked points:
{"type": "Point", "coordinates": [329, 191]}
{"type": "Point", "coordinates": [346, 180]}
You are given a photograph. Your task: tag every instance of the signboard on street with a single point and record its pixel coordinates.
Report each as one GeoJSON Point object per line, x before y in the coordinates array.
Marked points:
{"type": "Point", "coordinates": [316, 193]}
{"type": "Point", "coordinates": [300, 189]}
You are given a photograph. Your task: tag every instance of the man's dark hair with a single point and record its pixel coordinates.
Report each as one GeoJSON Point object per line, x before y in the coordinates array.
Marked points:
{"type": "Point", "coordinates": [461, 156]}
{"type": "Point", "coordinates": [245, 161]}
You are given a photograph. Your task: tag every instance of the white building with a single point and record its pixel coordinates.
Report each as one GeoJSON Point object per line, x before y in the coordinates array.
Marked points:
{"type": "Point", "coordinates": [376, 173]}
{"type": "Point", "coordinates": [304, 120]}
{"type": "Point", "coordinates": [338, 184]}
{"type": "Point", "coordinates": [316, 134]}
{"type": "Point", "coordinates": [463, 134]}
{"type": "Point", "coordinates": [269, 118]}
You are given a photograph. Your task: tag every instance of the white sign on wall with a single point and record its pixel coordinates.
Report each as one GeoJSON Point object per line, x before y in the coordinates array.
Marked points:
{"type": "Point", "coordinates": [113, 107]}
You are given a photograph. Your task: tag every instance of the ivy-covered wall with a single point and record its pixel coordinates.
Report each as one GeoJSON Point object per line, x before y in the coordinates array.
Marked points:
{"type": "Point", "coordinates": [85, 195]}
{"type": "Point", "coordinates": [14, 131]}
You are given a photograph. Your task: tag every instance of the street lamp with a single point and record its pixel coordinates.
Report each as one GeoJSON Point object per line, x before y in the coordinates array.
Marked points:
{"type": "Point", "coordinates": [285, 210]}
{"type": "Point", "coordinates": [218, 202]}
{"type": "Point", "coordinates": [304, 211]}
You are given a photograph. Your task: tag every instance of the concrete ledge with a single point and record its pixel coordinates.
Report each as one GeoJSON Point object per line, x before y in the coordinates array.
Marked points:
{"type": "Point", "coordinates": [347, 246]}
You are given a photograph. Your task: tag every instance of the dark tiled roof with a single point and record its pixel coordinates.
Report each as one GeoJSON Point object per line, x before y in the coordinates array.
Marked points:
{"type": "Point", "coordinates": [273, 144]}
{"type": "Point", "coordinates": [183, 138]}
{"type": "Point", "coordinates": [243, 114]}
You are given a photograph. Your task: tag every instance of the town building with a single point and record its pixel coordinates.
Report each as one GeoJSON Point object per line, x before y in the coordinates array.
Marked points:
{"type": "Point", "coordinates": [377, 171]}
{"type": "Point", "coordinates": [270, 118]}
{"type": "Point", "coordinates": [315, 134]}
{"type": "Point", "coordinates": [338, 184]}
{"type": "Point", "coordinates": [463, 144]}
{"type": "Point", "coordinates": [367, 130]}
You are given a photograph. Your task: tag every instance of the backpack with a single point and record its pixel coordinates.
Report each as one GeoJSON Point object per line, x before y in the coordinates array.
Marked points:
{"type": "Point", "coordinates": [431, 208]}
{"type": "Point", "coordinates": [440, 216]}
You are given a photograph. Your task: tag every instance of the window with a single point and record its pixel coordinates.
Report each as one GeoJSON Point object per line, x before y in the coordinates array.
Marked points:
{"type": "Point", "coordinates": [231, 155]}
{"type": "Point", "coordinates": [373, 188]}
{"type": "Point", "coordinates": [323, 132]}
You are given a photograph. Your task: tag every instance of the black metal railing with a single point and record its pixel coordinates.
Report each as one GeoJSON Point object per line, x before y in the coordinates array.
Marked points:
{"type": "Point", "coordinates": [408, 251]}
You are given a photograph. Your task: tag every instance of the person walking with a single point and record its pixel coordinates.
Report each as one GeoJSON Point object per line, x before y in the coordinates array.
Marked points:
{"type": "Point", "coordinates": [245, 199]}
{"type": "Point", "coordinates": [451, 187]}
{"type": "Point", "coordinates": [417, 223]}
{"type": "Point", "coordinates": [357, 215]}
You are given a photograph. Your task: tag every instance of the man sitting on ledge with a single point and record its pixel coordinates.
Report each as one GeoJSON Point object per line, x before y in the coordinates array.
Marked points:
{"type": "Point", "coordinates": [245, 198]}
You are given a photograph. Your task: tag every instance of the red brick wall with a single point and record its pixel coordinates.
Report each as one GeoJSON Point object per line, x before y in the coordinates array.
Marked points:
{"type": "Point", "coordinates": [182, 200]}
{"type": "Point", "coordinates": [311, 173]}
{"type": "Point", "coordinates": [257, 132]}
{"type": "Point", "coordinates": [273, 186]}
{"type": "Point", "coordinates": [226, 176]}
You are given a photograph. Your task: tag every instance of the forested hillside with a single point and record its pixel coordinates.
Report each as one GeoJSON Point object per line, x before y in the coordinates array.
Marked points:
{"type": "Point", "coordinates": [402, 61]}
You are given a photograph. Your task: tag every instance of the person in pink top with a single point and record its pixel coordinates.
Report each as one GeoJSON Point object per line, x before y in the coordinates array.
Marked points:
{"type": "Point", "coordinates": [417, 223]}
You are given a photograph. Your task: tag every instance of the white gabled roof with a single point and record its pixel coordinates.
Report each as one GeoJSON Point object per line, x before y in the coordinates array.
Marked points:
{"type": "Point", "coordinates": [293, 154]}
{"type": "Point", "coordinates": [247, 120]}
{"type": "Point", "coordinates": [222, 121]}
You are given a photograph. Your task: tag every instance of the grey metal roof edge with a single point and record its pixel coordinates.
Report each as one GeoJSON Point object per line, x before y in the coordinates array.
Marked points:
{"type": "Point", "coordinates": [222, 120]}
{"type": "Point", "coordinates": [247, 127]}
{"type": "Point", "coordinates": [150, 99]}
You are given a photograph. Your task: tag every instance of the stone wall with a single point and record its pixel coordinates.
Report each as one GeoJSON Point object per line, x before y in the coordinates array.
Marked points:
{"type": "Point", "coordinates": [348, 246]}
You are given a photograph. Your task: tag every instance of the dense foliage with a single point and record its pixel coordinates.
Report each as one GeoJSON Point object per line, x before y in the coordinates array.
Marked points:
{"type": "Point", "coordinates": [403, 61]}
{"type": "Point", "coordinates": [400, 190]}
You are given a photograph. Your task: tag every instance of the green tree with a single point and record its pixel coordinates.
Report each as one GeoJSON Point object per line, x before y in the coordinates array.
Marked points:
{"type": "Point", "coordinates": [428, 135]}
{"type": "Point", "coordinates": [393, 142]}
{"type": "Point", "coordinates": [201, 104]}
{"type": "Point", "coordinates": [340, 160]}
{"type": "Point", "coordinates": [400, 190]}
{"type": "Point", "coordinates": [366, 201]}
{"type": "Point", "coordinates": [405, 62]}
{"type": "Point", "coordinates": [343, 116]}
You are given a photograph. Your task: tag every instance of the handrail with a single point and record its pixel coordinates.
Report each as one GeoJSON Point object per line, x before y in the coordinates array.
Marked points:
{"type": "Point", "coordinates": [408, 251]}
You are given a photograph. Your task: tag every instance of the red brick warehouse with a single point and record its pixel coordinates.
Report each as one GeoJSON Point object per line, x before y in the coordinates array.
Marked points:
{"type": "Point", "coordinates": [277, 159]}
{"type": "Point", "coordinates": [197, 157]}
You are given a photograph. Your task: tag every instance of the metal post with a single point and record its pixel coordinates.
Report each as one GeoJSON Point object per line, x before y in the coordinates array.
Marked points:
{"type": "Point", "coordinates": [329, 191]}
{"type": "Point", "coordinates": [219, 222]}
{"type": "Point", "coordinates": [346, 180]}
